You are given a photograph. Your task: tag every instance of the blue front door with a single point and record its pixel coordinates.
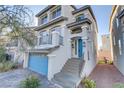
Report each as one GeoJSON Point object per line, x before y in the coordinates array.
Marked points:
{"type": "Point", "coordinates": [80, 48]}
{"type": "Point", "coordinates": [38, 63]}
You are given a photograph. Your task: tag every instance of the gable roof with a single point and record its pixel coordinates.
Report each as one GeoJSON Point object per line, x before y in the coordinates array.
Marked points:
{"type": "Point", "coordinates": [49, 7]}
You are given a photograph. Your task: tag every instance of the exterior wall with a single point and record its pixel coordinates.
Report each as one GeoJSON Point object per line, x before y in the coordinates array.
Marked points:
{"type": "Point", "coordinates": [116, 35]}
{"type": "Point", "coordinates": [91, 44]}
{"type": "Point", "coordinates": [91, 48]}
{"type": "Point", "coordinates": [58, 58]}
{"type": "Point", "coordinates": [65, 11]}
{"type": "Point", "coordinates": [90, 54]}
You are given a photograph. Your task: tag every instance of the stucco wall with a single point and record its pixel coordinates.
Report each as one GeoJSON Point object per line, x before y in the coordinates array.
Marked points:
{"type": "Point", "coordinates": [116, 35]}
{"type": "Point", "coordinates": [90, 62]}
{"type": "Point", "coordinates": [58, 58]}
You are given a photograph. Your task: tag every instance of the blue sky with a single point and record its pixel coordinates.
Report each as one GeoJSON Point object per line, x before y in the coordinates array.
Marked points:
{"type": "Point", "coordinates": [101, 12]}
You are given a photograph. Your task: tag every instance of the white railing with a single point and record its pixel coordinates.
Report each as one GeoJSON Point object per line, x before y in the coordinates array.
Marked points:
{"type": "Point", "coordinates": [45, 40]}
{"type": "Point", "coordinates": [48, 40]}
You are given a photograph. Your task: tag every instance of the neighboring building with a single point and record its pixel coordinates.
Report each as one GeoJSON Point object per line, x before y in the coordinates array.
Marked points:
{"type": "Point", "coordinates": [14, 47]}
{"type": "Point", "coordinates": [105, 50]}
{"type": "Point", "coordinates": [67, 37]}
{"type": "Point", "coordinates": [117, 36]}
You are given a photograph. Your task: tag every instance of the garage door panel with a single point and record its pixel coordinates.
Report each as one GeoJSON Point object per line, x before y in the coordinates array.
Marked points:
{"type": "Point", "coordinates": [38, 64]}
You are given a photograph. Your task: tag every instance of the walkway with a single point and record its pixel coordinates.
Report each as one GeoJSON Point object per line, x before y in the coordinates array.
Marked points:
{"type": "Point", "coordinates": [106, 75]}
{"type": "Point", "coordinates": [12, 79]}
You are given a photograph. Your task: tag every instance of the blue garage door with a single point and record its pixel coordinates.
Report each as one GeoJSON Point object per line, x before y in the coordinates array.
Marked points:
{"type": "Point", "coordinates": [38, 63]}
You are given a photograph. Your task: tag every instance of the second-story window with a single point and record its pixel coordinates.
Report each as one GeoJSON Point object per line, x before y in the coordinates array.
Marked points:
{"type": "Point", "coordinates": [80, 17]}
{"type": "Point", "coordinates": [57, 29]}
{"type": "Point", "coordinates": [45, 38]}
{"type": "Point", "coordinates": [44, 20]}
{"type": "Point", "coordinates": [56, 13]}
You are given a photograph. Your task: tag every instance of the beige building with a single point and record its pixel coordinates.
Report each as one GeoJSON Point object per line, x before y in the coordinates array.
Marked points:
{"type": "Point", "coordinates": [66, 46]}
{"type": "Point", "coordinates": [117, 36]}
{"type": "Point", "coordinates": [105, 50]}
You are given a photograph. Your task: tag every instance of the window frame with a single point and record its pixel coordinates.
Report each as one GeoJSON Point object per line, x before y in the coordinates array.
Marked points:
{"type": "Point", "coordinates": [56, 30]}
{"type": "Point", "coordinates": [43, 37]}
{"type": "Point", "coordinates": [43, 18]}
{"type": "Point", "coordinates": [79, 16]}
{"type": "Point", "coordinates": [57, 12]}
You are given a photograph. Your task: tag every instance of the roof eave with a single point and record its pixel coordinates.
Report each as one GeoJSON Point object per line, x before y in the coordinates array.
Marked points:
{"type": "Point", "coordinates": [86, 20]}
{"type": "Point", "coordinates": [51, 23]}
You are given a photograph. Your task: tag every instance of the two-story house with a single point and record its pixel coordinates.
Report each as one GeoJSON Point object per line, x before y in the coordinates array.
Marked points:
{"type": "Point", "coordinates": [117, 36]}
{"type": "Point", "coordinates": [66, 49]}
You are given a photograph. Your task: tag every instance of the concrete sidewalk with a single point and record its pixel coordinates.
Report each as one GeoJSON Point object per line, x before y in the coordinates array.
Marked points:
{"type": "Point", "coordinates": [12, 79]}
{"type": "Point", "coordinates": [106, 76]}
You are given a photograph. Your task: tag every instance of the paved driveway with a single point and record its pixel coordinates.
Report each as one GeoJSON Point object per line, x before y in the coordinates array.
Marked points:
{"type": "Point", "coordinates": [106, 76]}
{"type": "Point", "coordinates": [12, 79]}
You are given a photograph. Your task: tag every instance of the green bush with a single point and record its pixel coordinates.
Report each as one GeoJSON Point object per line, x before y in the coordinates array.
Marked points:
{"type": "Point", "coordinates": [110, 62]}
{"type": "Point", "coordinates": [30, 82]}
{"type": "Point", "coordinates": [118, 85]}
{"type": "Point", "coordinates": [2, 54]}
{"type": "Point", "coordinates": [101, 62]}
{"type": "Point", "coordinates": [6, 66]}
{"type": "Point", "coordinates": [88, 83]}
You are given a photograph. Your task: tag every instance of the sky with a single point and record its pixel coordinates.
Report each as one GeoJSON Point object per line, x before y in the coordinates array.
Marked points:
{"type": "Point", "coordinates": [102, 14]}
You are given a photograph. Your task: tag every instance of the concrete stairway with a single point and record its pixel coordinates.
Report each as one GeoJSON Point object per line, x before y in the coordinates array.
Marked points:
{"type": "Point", "coordinates": [68, 77]}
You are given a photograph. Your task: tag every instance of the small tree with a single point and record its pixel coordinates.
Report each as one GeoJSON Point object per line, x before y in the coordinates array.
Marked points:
{"type": "Point", "coordinates": [14, 23]}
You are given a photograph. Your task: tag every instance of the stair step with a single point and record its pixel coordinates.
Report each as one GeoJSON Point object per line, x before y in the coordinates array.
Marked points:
{"type": "Point", "coordinates": [66, 80]}
{"type": "Point", "coordinates": [74, 59]}
{"type": "Point", "coordinates": [70, 70]}
{"type": "Point", "coordinates": [71, 67]}
{"type": "Point", "coordinates": [72, 64]}
{"type": "Point", "coordinates": [65, 85]}
{"type": "Point", "coordinates": [69, 75]}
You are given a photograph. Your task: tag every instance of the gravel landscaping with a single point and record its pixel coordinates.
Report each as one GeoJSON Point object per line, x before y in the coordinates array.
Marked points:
{"type": "Point", "coordinates": [12, 79]}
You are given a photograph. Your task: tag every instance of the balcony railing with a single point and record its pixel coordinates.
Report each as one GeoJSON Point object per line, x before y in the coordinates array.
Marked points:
{"type": "Point", "coordinates": [45, 40]}
{"type": "Point", "coordinates": [48, 40]}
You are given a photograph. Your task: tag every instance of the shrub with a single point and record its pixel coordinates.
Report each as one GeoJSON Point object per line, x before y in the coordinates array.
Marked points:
{"type": "Point", "coordinates": [88, 83]}
{"type": "Point", "coordinates": [6, 66]}
{"type": "Point", "coordinates": [110, 62]}
{"type": "Point", "coordinates": [30, 82]}
{"type": "Point", "coordinates": [2, 54]}
{"type": "Point", "coordinates": [101, 62]}
{"type": "Point", "coordinates": [118, 85]}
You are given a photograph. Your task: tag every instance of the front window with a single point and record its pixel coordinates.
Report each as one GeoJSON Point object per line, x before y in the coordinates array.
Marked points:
{"type": "Point", "coordinates": [56, 13]}
{"type": "Point", "coordinates": [45, 38]}
{"type": "Point", "coordinates": [57, 29]}
{"type": "Point", "coordinates": [80, 17]}
{"type": "Point", "coordinates": [44, 20]}
{"type": "Point", "coordinates": [59, 32]}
